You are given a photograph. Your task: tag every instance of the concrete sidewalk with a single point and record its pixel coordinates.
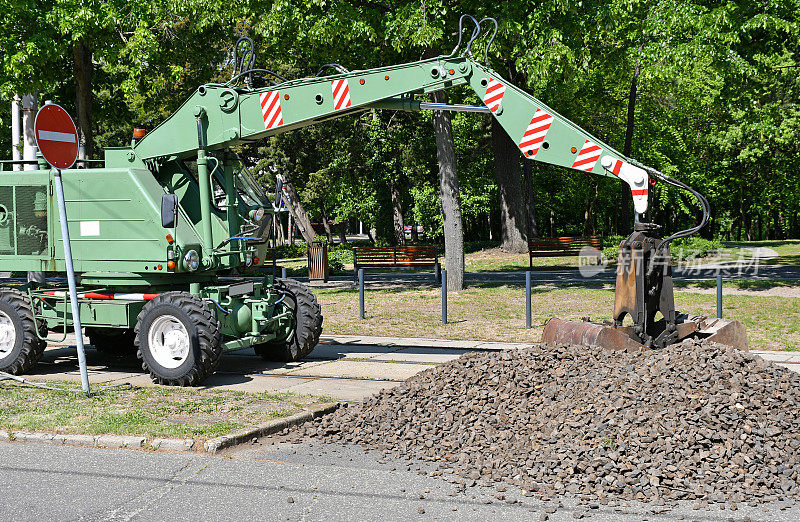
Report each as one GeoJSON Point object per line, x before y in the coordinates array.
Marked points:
{"type": "Point", "coordinates": [342, 367]}
{"type": "Point", "coordinates": [418, 341]}
{"type": "Point", "coordinates": [347, 368]}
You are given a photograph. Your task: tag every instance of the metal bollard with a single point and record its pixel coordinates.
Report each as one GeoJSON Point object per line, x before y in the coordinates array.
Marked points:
{"type": "Point", "coordinates": [444, 296]}
{"type": "Point", "coordinates": [360, 293]}
{"type": "Point", "coordinates": [283, 272]}
{"type": "Point", "coordinates": [719, 296]}
{"type": "Point", "coordinates": [528, 299]}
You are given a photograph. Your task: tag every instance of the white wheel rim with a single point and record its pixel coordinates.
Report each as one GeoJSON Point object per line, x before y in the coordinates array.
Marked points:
{"type": "Point", "coordinates": [8, 335]}
{"type": "Point", "coordinates": [168, 341]}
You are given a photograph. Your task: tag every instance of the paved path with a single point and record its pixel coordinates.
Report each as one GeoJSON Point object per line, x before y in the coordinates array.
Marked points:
{"type": "Point", "coordinates": [324, 482]}
{"type": "Point", "coordinates": [347, 368]}
{"type": "Point", "coordinates": [573, 276]}
{"type": "Point", "coordinates": [729, 272]}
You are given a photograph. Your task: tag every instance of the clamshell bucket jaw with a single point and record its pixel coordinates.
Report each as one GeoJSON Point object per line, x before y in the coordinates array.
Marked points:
{"type": "Point", "coordinates": [644, 289]}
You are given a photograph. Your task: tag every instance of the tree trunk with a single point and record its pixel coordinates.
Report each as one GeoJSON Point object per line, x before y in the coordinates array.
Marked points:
{"type": "Point", "coordinates": [325, 224]}
{"type": "Point", "coordinates": [748, 228]}
{"type": "Point", "coordinates": [296, 208]}
{"type": "Point", "coordinates": [449, 193]}
{"type": "Point", "coordinates": [631, 110]}
{"type": "Point", "coordinates": [397, 213]}
{"type": "Point", "coordinates": [627, 199]}
{"type": "Point", "coordinates": [342, 232]}
{"type": "Point", "coordinates": [280, 237]}
{"type": "Point", "coordinates": [513, 214]}
{"type": "Point", "coordinates": [290, 229]}
{"type": "Point", "coordinates": [527, 170]}
{"type": "Point", "coordinates": [83, 68]}
{"type": "Point", "coordinates": [777, 219]}
{"type": "Point", "coordinates": [590, 228]}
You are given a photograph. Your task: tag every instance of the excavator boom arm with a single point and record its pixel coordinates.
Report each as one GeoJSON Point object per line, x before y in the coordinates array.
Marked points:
{"type": "Point", "coordinates": [227, 115]}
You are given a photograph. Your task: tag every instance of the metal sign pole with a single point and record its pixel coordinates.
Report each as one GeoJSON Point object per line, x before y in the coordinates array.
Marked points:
{"type": "Point", "coordinates": [528, 299]}
{"type": "Point", "coordinates": [73, 293]}
{"type": "Point", "coordinates": [360, 293]}
{"type": "Point", "coordinates": [444, 296]}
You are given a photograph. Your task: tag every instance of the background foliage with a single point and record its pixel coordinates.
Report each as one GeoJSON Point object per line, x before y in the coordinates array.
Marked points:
{"type": "Point", "coordinates": [717, 86]}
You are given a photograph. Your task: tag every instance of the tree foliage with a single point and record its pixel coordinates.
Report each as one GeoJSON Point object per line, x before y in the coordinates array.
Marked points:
{"type": "Point", "coordinates": [717, 87]}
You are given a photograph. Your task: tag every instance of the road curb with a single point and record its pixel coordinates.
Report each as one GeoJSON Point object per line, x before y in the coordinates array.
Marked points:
{"type": "Point", "coordinates": [97, 441]}
{"type": "Point", "coordinates": [217, 444]}
{"type": "Point", "coordinates": [70, 439]}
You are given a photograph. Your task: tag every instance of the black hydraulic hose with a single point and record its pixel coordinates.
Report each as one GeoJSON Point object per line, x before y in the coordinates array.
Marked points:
{"type": "Point", "coordinates": [249, 71]}
{"type": "Point", "coordinates": [247, 61]}
{"type": "Point", "coordinates": [475, 31]}
{"type": "Point", "coordinates": [335, 66]}
{"type": "Point", "coordinates": [700, 198]}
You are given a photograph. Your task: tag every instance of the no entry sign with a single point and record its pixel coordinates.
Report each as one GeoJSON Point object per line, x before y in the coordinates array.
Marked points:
{"type": "Point", "coordinates": [56, 136]}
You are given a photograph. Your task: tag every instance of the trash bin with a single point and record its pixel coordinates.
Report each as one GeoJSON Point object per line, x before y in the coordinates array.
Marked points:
{"type": "Point", "coordinates": [318, 261]}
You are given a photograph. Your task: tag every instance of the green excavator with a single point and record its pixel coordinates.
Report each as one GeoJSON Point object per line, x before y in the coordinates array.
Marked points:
{"type": "Point", "coordinates": [167, 269]}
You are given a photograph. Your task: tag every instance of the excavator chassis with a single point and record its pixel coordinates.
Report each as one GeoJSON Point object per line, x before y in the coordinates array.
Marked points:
{"type": "Point", "coordinates": [644, 289]}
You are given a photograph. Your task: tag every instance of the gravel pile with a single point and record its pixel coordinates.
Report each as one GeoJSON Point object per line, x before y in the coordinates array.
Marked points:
{"type": "Point", "coordinates": [696, 421]}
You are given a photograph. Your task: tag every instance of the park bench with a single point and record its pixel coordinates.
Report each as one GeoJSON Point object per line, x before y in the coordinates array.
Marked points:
{"type": "Point", "coordinates": [560, 246]}
{"type": "Point", "coordinates": [396, 257]}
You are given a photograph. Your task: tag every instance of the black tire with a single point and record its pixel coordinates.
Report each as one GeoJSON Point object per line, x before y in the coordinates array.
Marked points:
{"type": "Point", "coordinates": [43, 332]}
{"type": "Point", "coordinates": [112, 341]}
{"type": "Point", "coordinates": [27, 348]}
{"type": "Point", "coordinates": [204, 338]}
{"type": "Point", "coordinates": [306, 324]}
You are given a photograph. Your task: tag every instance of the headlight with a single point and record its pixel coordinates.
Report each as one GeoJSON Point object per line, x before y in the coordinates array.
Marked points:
{"type": "Point", "coordinates": [191, 260]}
{"type": "Point", "coordinates": [248, 259]}
{"type": "Point", "coordinates": [257, 214]}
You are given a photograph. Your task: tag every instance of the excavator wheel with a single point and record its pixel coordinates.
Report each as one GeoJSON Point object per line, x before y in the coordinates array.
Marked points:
{"type": "Point", "coordinates": [20, 347]}
{"type": "Point", "coordinates": [43, 331]}
{"type": "Point", "coordinates": [178, 339]}
{"type": "Point", "coordinates": [112, 341]}
{"type": "Point", "coordinates": [302, 336]}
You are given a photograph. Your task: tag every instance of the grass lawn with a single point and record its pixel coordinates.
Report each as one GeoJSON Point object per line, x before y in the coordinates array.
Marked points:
{"type": "Point", "coordinates": [151, 412]}
{"type": "Point", "coordinates": [497, 313]}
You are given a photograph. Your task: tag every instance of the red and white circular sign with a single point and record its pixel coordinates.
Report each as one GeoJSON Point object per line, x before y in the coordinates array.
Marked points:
{"type": "Point", "coordinates": [56, 136]}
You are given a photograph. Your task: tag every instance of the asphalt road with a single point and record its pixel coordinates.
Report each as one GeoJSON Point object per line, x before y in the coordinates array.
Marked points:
{"type": "Point", "coordinates": [279, 482]}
